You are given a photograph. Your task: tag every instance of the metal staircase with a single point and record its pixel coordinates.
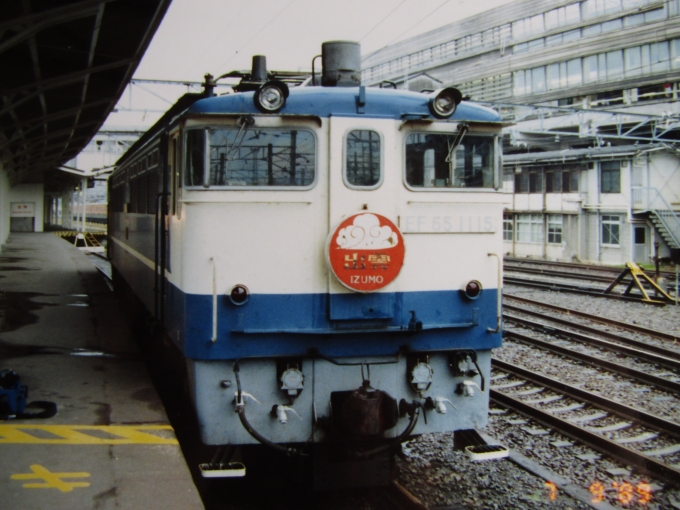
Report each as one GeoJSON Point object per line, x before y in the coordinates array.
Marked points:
{"type": "Point", "coordinates": [666, 221]}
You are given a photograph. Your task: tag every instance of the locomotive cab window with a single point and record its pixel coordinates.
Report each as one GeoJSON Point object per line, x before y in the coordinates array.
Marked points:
{"type": "Point", "coordinates": [456, 160]}
{"type": "Point", "coordinates": [250, 157]}
{"type": "Point", "coordinates": [362, 159]}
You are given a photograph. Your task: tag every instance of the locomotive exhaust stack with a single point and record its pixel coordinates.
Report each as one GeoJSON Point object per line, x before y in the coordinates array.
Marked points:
{"type": "Point", "coordinates": [341, 61]}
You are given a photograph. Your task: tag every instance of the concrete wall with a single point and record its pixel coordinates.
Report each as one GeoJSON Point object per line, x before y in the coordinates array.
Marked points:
{"type": "Point", "coordinates": [4, 206]}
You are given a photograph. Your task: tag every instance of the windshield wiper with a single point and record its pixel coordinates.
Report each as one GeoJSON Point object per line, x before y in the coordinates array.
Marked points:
{"type": "Point", "coordinates": [459, 138]}
{"type": "Point", "coordinates": [245, 122]}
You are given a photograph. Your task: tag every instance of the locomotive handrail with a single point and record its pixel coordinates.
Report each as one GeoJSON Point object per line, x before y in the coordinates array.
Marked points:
{"type": "Point", "coordinates": [287, 116]}
{"type": "Point", "coordinates": [340, 331]}
{"type": "Point", "coordinates": [214, 306]}
{"type": "Point", "coordinates": [499, 311]}
{"type": "Point", "coordinates": [185, 201]}
{"type": "Point", "coordinates": [334, 361]}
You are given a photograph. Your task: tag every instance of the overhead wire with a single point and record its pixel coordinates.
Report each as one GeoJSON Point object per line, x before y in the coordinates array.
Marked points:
{"type": "Point", "coordinates": [407, 30]}
{"type": "Point", "coordinates": [382, 20]}
{"type": "Point", "coordinates": [219, 33]}
{"type": "Point", "coordinates": [259, 31]}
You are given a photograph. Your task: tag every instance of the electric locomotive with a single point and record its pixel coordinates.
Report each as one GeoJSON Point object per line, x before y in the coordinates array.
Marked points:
{"type": "Point", "coordinates": [324, 255]}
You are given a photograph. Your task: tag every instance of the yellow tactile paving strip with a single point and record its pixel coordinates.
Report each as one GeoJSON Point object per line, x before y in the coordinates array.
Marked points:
{"type": "Point", "coordinates": [86, 434]}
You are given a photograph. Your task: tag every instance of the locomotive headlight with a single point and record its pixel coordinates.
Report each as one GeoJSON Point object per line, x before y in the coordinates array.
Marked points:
{"type": "Point", "coordinates": [271, 96]}
{"type": "Point", "coordinates": [239, 295]}
{"type": "Point", "coordinates": [443, 102]}
{"type": "Point", "coordinates": [292, 381]}
{"type": "Point", "coordinates": [421, 376]}
{"type": "Point", "coordinates": [472, 289]}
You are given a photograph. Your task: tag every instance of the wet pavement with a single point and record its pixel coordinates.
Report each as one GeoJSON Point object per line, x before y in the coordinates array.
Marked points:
{"type": "Point", "coordinates": [110, 445]}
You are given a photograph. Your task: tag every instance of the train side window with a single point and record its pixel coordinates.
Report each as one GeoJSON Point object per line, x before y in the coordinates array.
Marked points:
{"type": "Point", "coordinates": [362, 159]}
{"type": "Point", "coordinates": [449, 161]}
{"type": "Point", "coordinates": [195, 157]}
{"type": "Point", "coordinates": [174, 163]}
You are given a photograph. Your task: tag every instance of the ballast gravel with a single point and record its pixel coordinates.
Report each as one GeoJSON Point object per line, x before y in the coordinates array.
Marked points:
{"type": "Point", "coordinates": [443, 478]}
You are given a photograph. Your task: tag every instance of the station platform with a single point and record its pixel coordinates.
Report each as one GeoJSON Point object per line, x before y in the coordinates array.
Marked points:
{"type": "Point", "coordinates": [110, 445]}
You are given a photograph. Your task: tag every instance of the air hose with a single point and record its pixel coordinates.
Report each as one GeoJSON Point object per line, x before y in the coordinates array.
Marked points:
{"type": "Point", "coordinates": [401, 437]}
{"type": "Point", "coordinates": [241, 410]}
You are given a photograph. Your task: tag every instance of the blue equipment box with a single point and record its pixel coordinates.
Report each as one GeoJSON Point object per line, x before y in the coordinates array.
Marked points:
{"type": "Point", "coordinates": [13, 394]}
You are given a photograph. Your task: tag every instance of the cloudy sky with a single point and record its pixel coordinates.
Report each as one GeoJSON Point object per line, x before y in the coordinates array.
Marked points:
{"type": "Point", "coordinates": [217, 36]}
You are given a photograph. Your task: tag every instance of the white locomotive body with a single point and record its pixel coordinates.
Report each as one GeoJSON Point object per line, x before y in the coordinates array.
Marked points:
{"type": "Point", "coordinates": [329, 267]}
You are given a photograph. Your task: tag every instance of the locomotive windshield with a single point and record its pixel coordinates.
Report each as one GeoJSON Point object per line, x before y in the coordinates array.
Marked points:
{"type": "Point", "coordinates": [250, 157]}
{"type": "Point", "coordinates": [454, 160]}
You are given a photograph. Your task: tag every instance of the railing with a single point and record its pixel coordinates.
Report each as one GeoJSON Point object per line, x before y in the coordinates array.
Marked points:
{"type": "Point", "coordinates": [649, 199]}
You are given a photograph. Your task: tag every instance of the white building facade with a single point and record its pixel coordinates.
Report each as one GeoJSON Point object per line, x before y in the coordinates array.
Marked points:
{"type": "Point", "coordinates": [590, 164]}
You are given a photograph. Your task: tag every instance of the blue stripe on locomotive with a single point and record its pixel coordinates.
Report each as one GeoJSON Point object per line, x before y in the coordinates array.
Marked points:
{"type": "Point", "coordinates": [292, 324]}
{"type": "Point", "coordinates": [344, 102]}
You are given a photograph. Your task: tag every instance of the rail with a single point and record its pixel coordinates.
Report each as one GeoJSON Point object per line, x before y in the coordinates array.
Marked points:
{"type": "Point", "coordinates": [596, 441]}
{"type": "Point", "coordinates": [597, 318]}
{"type": "Point", "coordinates": [598, 362]}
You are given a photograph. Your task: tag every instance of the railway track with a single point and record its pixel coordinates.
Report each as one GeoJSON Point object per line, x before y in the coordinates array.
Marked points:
{"type": "Point", "coordinates": [592, 359]}
{"type": "Point", "coordinates": [577, 289]}
{"type": "Point", "coordinates": [624, 326]}
{"type": "Point", "coordinates": [608, 278]}
{"type": "Point", "coordinates": [624, 407]}
{"type": "Point", "coordinates": [627, 434]}
{"type": "Point", "coordinates": [632, 348]}
{"type": "Point", "coordinates": [609, 350]}
{"type": "Point", "coordinates": [585, 268]}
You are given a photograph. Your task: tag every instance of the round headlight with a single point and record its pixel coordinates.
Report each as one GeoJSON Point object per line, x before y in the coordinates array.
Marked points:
{"type": "Point", "coordinates": [443, 103]}
{"type": "Point", "coordinates": [239, 295]}
{"type": "Point", "coordinates": [472, 289]}
{"type": "Point", "coordinates": [271, 96]}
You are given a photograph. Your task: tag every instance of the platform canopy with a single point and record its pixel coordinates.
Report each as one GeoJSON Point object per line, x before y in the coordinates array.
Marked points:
{"type": "Point", "coordinates": [65, 64]}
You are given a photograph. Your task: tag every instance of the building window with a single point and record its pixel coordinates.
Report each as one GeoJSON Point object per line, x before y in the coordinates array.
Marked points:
{"type": "Point", "coordinates": [507, 227]}
{"type": "Point", "coordinates": [522, 182]}
{"type": "Point", "coordinates": [562, 181]}
{"type": "Point", "coordinates": [538, 80]}
{"type": "Point", "coordinates": [610, 26]}
{"type": "Point", "coordinates": [610, 177]}
{"type": "Point", "coordinates": [362, 162]}
{"type": "Point", "coordinates": [553, 182]}
{"type": "Point", "coordinates": [555, 228]}
{"type": "Point", "coordinates": [529, 182]}
{"type": "Point", "coordinates": [614, 65]}
{"type": "Point", "coordinates": [529, 228]}
{"type": "Point", "coordinates": [573, 181]}
{"type": "Point", "coordinates": [535, 182]}
{"type": "Point", "coordinates": [633, 61]}
{"type": "Point", "coordinates": [611, 229]}
{"type": "Point", "coordinates": [574, 72]}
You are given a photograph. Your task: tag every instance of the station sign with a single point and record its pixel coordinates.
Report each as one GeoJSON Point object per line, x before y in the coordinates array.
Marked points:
{"type": "Point", "coordinates": [365, 252]}
{"type": "Point", "coordinates": [22, 209]}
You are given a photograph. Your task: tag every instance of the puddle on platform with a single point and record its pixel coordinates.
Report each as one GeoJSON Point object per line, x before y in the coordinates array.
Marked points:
{"type": "Point", "coordinates": [19, 308]}
{"type": "Point", "coordinates": [10, 350]}
{"type": "Point", "coordinates": [11, 260]}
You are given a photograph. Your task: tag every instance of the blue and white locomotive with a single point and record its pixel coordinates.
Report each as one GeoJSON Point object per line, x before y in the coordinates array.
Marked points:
{"type": "Point", "coordinates": [324, 256]}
